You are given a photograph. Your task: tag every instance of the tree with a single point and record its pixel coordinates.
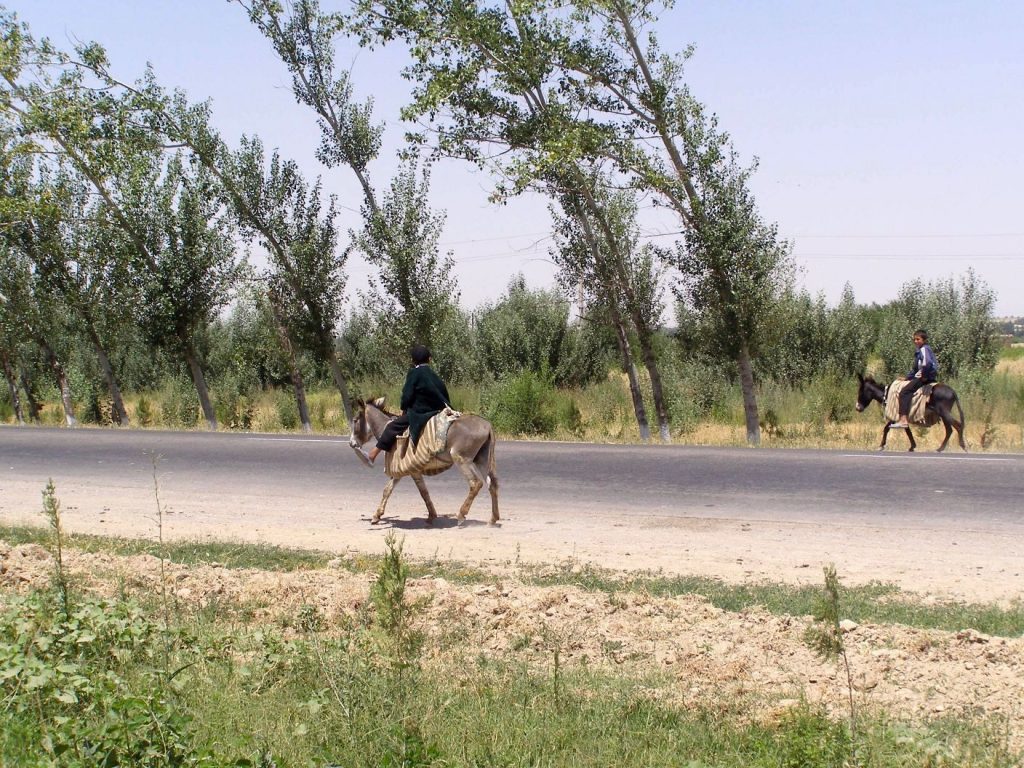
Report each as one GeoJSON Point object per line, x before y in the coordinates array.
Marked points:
{"type": "Point", "coordinates": [399, 234]}
{"type": "Point", "coordinates": [274, 206]}
{"type": "Point", "coordinates": [599, 252]}
{"type": "Point", "coordinates": [732, 266]}
{"type": "Point", "coordinates": [486, 77]}
{"type": "Point", "coordinates": [28, 310]}
{"type": "Point", "coordinates": [78, 257]}
{"type": "Point", "coordinates": [194, 267]}
{"type": "Point", "coordinates": [957, 313]}
{"type": "Point", "coordinates": [107, 132]}
{"type": "Point", "coordinates": [400, 239]}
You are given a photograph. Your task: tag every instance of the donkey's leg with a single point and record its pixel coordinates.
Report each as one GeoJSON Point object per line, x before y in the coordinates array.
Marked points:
{"type": "Point", "coordinates": [910, 437]}
{"type": "Point", "coordinates": [885, 435]}
{"type": "Point", "coordinates": [421, 485]}
{"type": "Point", "coordinates": [482, 464]}
{"type": "Point", "coordinates": [476, 482]}
{"type": "Point", "coordinates": [949, 431]}
{"type": "Point", "coordinates": [384, 500]}
{"type": "Point", "coordinates": [492, 486]}
{"type": "Point", "coordinates": [958, 425]}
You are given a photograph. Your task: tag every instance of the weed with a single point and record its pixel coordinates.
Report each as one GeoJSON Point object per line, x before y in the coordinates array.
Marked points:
{"type": "Point", "coordinates": [51, 509]}
{"type": "Point", "coordinates": [394, 612]}
{"type": "Point", "coordinates": [825, 636]}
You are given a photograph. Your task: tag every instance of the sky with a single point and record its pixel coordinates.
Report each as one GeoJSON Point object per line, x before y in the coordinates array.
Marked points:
{"type": "Point", "coordinates": [888, 135]}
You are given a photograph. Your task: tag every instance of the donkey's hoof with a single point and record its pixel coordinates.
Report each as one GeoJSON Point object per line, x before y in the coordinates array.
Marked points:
{"type": "Point", "coordinates": [375, 521]}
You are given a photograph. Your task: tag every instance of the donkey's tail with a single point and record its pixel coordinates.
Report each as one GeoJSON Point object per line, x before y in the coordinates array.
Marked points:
{"type": "Point", "coordinates": [960, 410]}
{"type": "Point", "coordinates": [492, 464]}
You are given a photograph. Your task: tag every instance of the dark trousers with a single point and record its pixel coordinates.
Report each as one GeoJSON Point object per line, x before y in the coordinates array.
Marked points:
{"type": "Point", "coordinates": [907, 393]}
{"type": "Point", "coordinates": [395, 427]}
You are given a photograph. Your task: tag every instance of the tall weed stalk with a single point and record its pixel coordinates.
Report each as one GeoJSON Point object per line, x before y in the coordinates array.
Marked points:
{"type": "Point", "coordinates": [394, 612]}
{"type": "Point", "coordinates": [51, 508]}
{"type": "Point", "coordinates": [825, 637]}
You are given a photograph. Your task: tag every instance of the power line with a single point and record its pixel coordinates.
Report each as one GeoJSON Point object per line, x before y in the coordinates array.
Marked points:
{"type": "Point", "coordinates": [907, 237]}
{"type": "Point", "coordinates": [912, 256]}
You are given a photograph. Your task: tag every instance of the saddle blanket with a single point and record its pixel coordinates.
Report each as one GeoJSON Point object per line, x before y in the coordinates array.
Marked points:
{"type": "Point", "coordinates": [918, 405]}
{"type": "Point", "coordinates": [423, 458]}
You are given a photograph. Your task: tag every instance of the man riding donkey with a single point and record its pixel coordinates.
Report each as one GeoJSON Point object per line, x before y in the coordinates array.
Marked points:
{"type": "Point", "coordinates": [924, 372]}
{"type": "Point", "coordinates": [439, 438]}
{"type": "Point", "coordinates": [423, 396]}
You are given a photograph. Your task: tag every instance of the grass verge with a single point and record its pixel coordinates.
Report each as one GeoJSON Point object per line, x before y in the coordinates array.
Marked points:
{"type": "Point", "coordinates": [876, 602]}
{"type": "Point", "coordinates": [110, 683]}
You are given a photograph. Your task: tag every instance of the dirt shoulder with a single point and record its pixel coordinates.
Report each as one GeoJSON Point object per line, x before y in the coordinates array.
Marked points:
{"type": "Point", "coordinates": [751, 662]}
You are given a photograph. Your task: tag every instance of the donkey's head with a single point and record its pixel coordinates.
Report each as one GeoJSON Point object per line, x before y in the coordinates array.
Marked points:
{"type": "Point", "coordinates": [867, 391]}
{"type": "Point", "coordinates": [363, 413]}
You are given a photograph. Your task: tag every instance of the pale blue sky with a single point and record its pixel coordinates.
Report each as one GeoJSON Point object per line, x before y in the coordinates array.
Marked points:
{"type": "Point", "coordinates": [887, 132]}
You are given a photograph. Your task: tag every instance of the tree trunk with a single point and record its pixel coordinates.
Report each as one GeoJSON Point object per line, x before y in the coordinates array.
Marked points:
{"type": "Point", "coordinates": [749, 396]}
{"type": "Point", "coordinates": [298, 384]}
{"type": "Point", "coordinates": [62, 384]}
{"type": "Point", "coordinates": [120, 414]}
{"type": "Point", "coordinates": [630, 368]}
{"type": "Point", "coordinates": [33, 405]}
{"type": "Point", "coordinates": [657, 390]}
{"type": "Point", "coordinates": [327, 345]}
{"type": "Point", "coordinates": [201, 389]}
{"type": "Point", "coordinates": [12, 385]}
{"type": "Point", "coordinates": [300, 398]}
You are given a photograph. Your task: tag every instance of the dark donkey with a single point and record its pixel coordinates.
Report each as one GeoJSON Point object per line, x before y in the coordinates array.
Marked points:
{"type": "Point", "coordinates": [470, 447]}
{"type": "Point", "coordinates": [939, 408]}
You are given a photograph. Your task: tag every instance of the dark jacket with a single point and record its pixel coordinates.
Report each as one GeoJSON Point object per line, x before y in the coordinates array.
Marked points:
{"type": "Point", "coordinates": [423, 395]}
{"type": "Point", "coordinates": [925, 365]}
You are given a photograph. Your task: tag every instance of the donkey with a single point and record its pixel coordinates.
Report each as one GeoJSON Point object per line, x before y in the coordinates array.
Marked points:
{"type": "Point", "coordinates": [939, 408]}
{"type": "Point", "coordinates": [470, 447]}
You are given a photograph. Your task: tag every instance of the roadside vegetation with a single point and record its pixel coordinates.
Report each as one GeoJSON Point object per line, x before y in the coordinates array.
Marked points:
{"type": "Point", "coordinates": [705, 410]}
{"type": "Point", "coordinates": [126, 676]}
{"type": "Point", "coordinates": [127, 296]}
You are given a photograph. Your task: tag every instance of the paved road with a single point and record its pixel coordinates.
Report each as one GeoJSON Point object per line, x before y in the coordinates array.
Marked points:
{"type": "Point", "coordinates": [672, 507]}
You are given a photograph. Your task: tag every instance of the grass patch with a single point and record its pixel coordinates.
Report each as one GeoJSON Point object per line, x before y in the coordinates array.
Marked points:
{"type": "Point", "coordinates": [203, 690]}
{"type": "Point", "coordinates": [229, 555]}
{"type": "Point", "coordinates": [876, 603]}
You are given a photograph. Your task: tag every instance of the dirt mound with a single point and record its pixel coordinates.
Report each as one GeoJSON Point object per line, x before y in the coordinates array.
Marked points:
{"type": "Point", "coordinates": [751, 661]}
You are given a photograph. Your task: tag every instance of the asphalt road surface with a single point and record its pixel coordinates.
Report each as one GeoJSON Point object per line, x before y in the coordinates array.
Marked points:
{"type": "Point", "coordinates": [948, 524]}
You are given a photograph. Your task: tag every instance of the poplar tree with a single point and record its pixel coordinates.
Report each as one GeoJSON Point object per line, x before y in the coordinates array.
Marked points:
{"type": "Point", "coordinates": [399, 233]}
{"type": "Point", "coordinates": [180, 249]}
{"type": "Point", "coordinates": [487, 79]}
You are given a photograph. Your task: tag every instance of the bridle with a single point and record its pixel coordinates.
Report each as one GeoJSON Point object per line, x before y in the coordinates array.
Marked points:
{"type": "Point", "coordinates": [353, 442]}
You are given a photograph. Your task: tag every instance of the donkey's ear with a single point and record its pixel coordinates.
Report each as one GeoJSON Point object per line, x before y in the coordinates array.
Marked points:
{"type": "Point", "coordinates": [379, 402]}
{"type": "Point", "coordinates": [860, 377]}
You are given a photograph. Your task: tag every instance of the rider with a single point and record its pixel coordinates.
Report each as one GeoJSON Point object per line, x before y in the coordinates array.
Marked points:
{"type": "Point", "coordinates": [925, 371]}
{"type": "Point", "coordinates": [423, 395]}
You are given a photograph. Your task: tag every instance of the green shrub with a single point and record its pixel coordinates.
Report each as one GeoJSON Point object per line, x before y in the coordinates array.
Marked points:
{"type": "Point", "coordinates": [521, 405]}
{"type": "Point", "coordinates": [180, 404]}
{"type": "Point", "coordinates": [144, 415]}
{"type": "Point", "coordinates": [81, 691]}
{"type": "Point", "coordinates": [288, 410]}
{"type": "Point", "coordinates": [829, 401]}
{"type": "Point", "coordinates": [809, 738]}
{"type": "Point", "coordinates": [234, 403]}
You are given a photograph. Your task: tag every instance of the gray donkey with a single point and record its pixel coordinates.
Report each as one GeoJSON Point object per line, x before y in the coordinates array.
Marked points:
{"type": "Point", "coordinates": [470, 447]}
